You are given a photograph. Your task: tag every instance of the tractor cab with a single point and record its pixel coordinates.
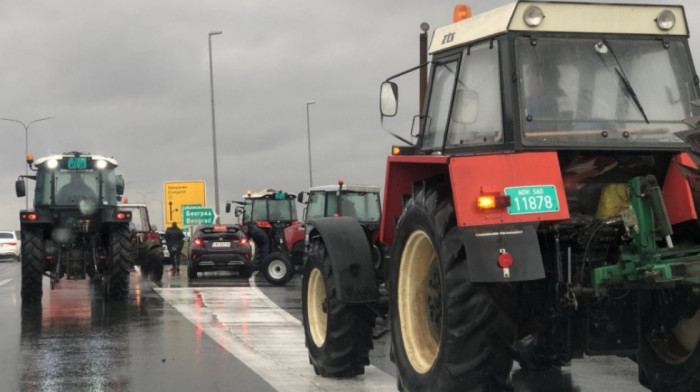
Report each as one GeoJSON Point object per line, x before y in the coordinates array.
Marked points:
{"type": "Point", "coordinates": [536, 78]}
{"type": "Point", "coordinates": [265, 207]}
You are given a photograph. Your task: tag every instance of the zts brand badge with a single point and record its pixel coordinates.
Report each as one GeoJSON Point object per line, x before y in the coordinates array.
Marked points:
{"type": "Point", "coordinates": [447, 38]}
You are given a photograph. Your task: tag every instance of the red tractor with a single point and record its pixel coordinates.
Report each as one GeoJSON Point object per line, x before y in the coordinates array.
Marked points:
{"type": "Point", "coordinates": [358, 201]}
{"type": "Point", "coordinates": [272, 211]}
{"type": "Point", "coordinates": [546, 209]}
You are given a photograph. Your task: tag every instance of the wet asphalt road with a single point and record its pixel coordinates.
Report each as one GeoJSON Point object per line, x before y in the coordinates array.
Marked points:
{"type": "Point", "coordinates": [189, 336]}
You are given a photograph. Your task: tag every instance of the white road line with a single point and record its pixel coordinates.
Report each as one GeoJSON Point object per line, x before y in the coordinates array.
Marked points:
{"type": "Point", "coordinates": [5, 281]}
{"type": "Point", "coordinates": [264, 336]}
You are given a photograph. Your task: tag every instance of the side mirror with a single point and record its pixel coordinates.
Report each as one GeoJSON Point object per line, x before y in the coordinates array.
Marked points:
{"type": "Point", "coordinates": [301, 198]}
{"type": "Point", "coordinates": [228, 207]}
{"type": "Point", "coordinates": [239, 211]}
{"type": "Point", "coordinates": [389, 99]}
{"type": "Point", "coordinates": [119, 184]}
{"type": "Point", "coordinates": [20, 189]}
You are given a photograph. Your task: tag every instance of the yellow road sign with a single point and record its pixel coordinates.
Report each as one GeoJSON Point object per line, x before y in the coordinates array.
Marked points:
{"type": "Point", "coordinates": [182, 193]}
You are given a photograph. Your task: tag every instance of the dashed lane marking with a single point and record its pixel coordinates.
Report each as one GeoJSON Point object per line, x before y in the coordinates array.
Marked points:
{"type": "Point", "coordinates": [264, 336]}
{"type": "Point", "coordinates": [5, 281]}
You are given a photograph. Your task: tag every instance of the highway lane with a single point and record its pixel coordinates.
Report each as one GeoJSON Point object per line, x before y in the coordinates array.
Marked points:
{"type": "Point", "coordinates": [218, 332]}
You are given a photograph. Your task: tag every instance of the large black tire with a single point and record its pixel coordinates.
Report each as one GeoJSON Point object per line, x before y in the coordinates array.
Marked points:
{"type": "Point", "coordinates": [448, 333]}
{"type": "Point", "coordinates": [669, 355]}
{"type": "Point", "coordinates": [157, 271]}
{"type": "Point", "coordinates": [338, 335]}
{"type": "Point", "coordinates": [33, 258]}
{"type": "Point", "coordinates": [541, 351]}
{"type": "Point", "coordinates": [118, 262]}
{"type": "Point", "coordinates": [246, 272]}
{"type": "Point", "coordinates": [277, 268]}
{"type": "Point", "coordinates": [191, 271]}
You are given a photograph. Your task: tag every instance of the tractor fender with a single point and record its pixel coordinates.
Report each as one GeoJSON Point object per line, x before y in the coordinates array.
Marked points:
{"type": "Point", "coordinates": [484, 246]}
{"type": "Point", "coordinates": [350, 256]}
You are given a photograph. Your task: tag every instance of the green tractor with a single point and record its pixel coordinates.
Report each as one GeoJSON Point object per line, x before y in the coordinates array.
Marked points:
{"type": "Point", "coordinates": [76, 229]}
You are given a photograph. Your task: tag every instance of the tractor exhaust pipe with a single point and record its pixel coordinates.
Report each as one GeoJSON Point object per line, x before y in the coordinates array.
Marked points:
{"type": "Point", "coordinates": [423, 58]}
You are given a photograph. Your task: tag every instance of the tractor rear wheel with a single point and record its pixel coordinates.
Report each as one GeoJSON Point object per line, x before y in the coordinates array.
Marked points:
{"type": "Point", "coordinates": [33, 256]}
{"type": "Point", "coordinates": [157, 271]}
{"type": "Point", "coordinates": [448, 333]}
{"type": "Point", "coordinates": [669, 358]}
{"type": "Point", "coordinates": [118, 262]}
{"type": "Point", "coordinates": [277, 268]}
{"type": "Point", "coordinates": [338, 335]}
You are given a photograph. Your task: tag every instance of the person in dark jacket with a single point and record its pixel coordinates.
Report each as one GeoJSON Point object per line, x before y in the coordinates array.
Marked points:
{"type": "Point", "coordinates": [175, 240]}
{"type": "Point", "coordinates": [262, 242]}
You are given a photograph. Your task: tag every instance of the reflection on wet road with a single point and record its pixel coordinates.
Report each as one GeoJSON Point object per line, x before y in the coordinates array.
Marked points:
{"type": "Point", "coordinates": [76, 341]}
{"type": "Point", "coordinates": [268, 339]}
{"type": "Point", "coordinates": [217, 333]}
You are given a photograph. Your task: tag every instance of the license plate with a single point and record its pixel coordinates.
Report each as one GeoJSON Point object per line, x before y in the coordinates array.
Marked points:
{"type": "Point", "coordinates": [220, 244]}
{"type": "Point", "coordinates": [532, 199]}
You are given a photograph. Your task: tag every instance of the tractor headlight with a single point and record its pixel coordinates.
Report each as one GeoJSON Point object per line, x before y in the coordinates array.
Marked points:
{"type": "Point", "coordinates": [533, 16]}
{"type": "Point", "coordinates": [52, 163]}
{"type": "Point", "coordinates": [666, 20]}
{"type": "Point", "coordinates": [100, 164]}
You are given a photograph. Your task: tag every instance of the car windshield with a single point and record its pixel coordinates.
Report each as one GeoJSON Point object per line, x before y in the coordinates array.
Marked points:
{"type": "Point", "coordinates": [603, 92]}
{"type": "Point", "coordinates": [71, 187]}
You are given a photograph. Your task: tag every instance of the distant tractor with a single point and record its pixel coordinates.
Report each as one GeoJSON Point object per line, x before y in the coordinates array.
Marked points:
{"type": "Point", "coordinates": [147, 247]}
{"type": "Point", "coordinates": [357, 201]}
{"type": "Point", "coordinates": [272, 211]}
{"type": "Point", "coordinates": [545, 209]}
{"type": "Point", "coordinates": [76, 229]}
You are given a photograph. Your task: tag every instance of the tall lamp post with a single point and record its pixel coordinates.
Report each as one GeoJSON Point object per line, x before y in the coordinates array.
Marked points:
{"type": "Point", "coordinates": [26, 148]}
{"type": "Point", "coordinates": [308, 133]}
{"type": "Point", "coordinates": [213, 129]}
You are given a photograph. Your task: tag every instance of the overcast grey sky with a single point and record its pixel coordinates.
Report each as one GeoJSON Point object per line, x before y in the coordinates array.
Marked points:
{"type": "Point", "coordinates": [130, 79]}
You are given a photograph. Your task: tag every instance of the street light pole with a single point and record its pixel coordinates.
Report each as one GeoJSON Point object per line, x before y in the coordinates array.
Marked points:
{"type": "Point", "coordinates": [308, 134]}
{"type": "Point", "coordinates": [26, 149]}
{"type": "Point", "coordinates": [213, 129]}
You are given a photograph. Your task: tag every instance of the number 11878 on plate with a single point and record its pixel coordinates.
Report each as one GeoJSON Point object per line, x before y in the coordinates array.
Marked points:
{"type": "Point", "coordinates": [532, 199]}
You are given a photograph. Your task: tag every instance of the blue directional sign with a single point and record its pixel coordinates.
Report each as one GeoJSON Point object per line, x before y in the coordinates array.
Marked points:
{"type": "Point", "coordinates": [193, 216]}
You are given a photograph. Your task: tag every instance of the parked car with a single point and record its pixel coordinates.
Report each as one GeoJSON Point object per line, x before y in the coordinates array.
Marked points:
{"type": "Point", "coordinates": [10, 245]}
{"type": "Point", "coordinates": [219, 248]}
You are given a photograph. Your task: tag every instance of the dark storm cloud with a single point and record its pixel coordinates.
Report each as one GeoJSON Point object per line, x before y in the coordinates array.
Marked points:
{"type": "Point", "coordinates": [130, 79]}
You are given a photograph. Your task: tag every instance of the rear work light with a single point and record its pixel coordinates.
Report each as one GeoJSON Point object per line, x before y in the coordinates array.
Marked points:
{"type": "Point", "coordinates": [403, 150]}
{"type": "Point", "coordinates": [121, 215]}
{"type": "Point", "coordinates": [492, 201]}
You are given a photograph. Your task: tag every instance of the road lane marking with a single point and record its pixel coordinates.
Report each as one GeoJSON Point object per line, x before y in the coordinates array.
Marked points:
{"type": "Point", "coordinates": [5, 281]}
{"type": "Point", "coordinates": [270, 341]}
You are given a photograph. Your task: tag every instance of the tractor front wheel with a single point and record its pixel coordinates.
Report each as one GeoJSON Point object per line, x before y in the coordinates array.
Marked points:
{"type": "Point", "coordinates": [338, 335]}
{"type": "Point", "coordinates": [277, 268]}
{"type": "Point", "coordinates": [448, 333]}
{"type": "Point", "coordinates": [117, 274]}
{"type": "Point", "coordinates": [33, 256]}
{"type": "Point", "coordinates": [669, 358]}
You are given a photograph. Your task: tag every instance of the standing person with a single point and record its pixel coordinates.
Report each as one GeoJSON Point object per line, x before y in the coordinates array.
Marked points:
{"type": "Point", "coordinates": [262, 242]}
{"type": "Point", "coordinates": [175, 240]}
